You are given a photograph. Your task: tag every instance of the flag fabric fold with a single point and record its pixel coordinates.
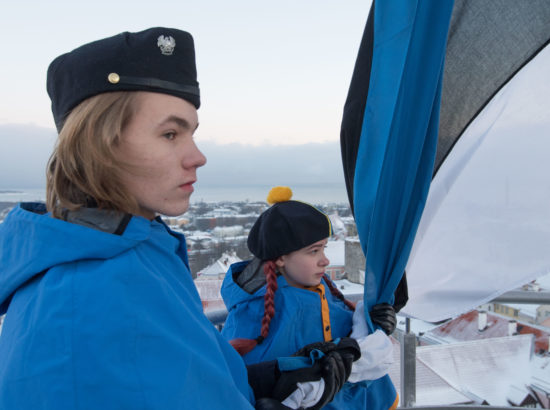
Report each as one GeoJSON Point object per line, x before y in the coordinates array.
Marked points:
{"type": "Point", "coordinates": [486, 224]}
{"type": "Point", "coordinates": [402, 55]}
{"type": "Point", "coordinates": [389, 140]}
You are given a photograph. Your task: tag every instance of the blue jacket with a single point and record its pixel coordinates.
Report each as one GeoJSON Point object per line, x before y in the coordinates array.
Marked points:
{"type": "Point", "coordinates": [97, 320]}
{"type": "Point", "coordinates": [297, 322]}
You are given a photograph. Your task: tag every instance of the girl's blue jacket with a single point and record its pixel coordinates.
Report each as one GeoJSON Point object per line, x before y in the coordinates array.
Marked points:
{"type": "Point", "coordinates": [97, 320]}
{"type": "Point", "coordinates": [297, 322]}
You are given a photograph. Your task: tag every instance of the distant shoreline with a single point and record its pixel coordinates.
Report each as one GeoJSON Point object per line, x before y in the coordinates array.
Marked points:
{"type": "Point", "coordinates": [6, 205]}
{"type": "Point", "coordinates": [313, 193]}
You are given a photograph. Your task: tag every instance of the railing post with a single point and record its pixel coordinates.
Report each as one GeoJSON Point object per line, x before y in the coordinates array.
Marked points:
{"type": "Point", "coordinates": [408, 367]}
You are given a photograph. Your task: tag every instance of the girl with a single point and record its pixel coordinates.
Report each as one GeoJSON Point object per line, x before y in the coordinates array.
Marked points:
{"type": "Point", "coordinates": [101, 310]}
{"type": "Point", "coordinates": [282, 300]}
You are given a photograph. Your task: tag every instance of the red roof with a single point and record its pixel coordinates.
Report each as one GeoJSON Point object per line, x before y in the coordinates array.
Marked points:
{"type": "Point", "coordinates": [465, 328]}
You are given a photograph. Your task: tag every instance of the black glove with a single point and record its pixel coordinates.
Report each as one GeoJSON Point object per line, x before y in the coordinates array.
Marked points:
{"type": "Point", "coordinates": [345, 345]}
{"type": "Point", "coordinates": [267, 381]}
{"type": "Point", "coordinates": [348, 345]}
{"type": "Point", "coordinates": [324, 347]}
{"type": "Point", "coordinates": [270, 404]}
{"type": "Point", "coordinates": [336, 370]}
{"type": "Point", "coordinates": [383, 315]}
{"type": "Point", "coordinates": [334, 367]}
{"type": "Point", "coordinates": [288, 381]}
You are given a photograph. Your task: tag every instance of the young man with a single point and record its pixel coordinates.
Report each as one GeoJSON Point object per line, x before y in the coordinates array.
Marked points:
{"type": "Point", "coordinates": [101, 309]}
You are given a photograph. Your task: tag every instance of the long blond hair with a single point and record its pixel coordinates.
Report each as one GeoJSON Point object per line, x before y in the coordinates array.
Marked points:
{"type": "Point", "coordinates": [83, 168]}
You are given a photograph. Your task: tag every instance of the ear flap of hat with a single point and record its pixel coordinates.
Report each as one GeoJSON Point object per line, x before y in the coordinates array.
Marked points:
{"type": "Point", "coordinates": [252, 277]}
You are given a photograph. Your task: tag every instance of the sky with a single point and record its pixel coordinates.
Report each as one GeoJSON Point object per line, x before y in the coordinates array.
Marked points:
{"type": "Point", "coordinates": [271, 73]}
{"type": "Point", "coordinates": [250, 169]}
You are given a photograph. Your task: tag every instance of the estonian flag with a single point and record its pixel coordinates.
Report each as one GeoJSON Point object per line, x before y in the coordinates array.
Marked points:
{"type": "Point", "coordinates": [452, 94]}
{"type": "Point", "coordinates": [486, 226]}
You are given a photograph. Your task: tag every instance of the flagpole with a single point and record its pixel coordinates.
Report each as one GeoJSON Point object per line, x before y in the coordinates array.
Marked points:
{"type": "Point", "coordinates": [408, 367]}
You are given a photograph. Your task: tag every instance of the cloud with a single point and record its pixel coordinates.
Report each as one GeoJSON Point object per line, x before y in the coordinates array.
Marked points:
{"type": "Point", "coordinates": [26, 149]}
{"type": "Point", "coordinates": [239, 164]}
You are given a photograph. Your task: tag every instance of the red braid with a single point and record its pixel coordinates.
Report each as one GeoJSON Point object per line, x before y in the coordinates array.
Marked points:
{"type": "Point", "coordinates": [269, 297]}
{"type": "Point", "coordinates": [243, 346]}
{"type": "Point", "coordinates": [336, 293]}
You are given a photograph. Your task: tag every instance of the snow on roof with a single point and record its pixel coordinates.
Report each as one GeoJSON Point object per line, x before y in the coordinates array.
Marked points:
{"type": "Point", "coordinates": [517, 395]}
{"type": "Point", "coordinates": [335, 252]}
{"type": "Point", "coordinates": [337, 222]}
{"type": "Point", "coordinates": [464, 328]}
{"type": "Point", "coordinates": [418, 326]}
{"type": "Point", "coordinates": [353, 239]}
{"type": "Point", "coordinates": [228, 231]}
{"type": "Point", "coordinates": [540, 368]}
{"type": "Point", "coordinates": [348, 288]}
{"type": "Point", "coordinates": [220, 266]}
{"type": "Point", "coordinates": [233, 238]}
{"type": "Point", "coordinates": [431, 389]}
{"type": "Point", "coordinates": [487, 368]}
{"type": "Point", "coordinates": [209, 289]}
{"type": "Point", "coordinates": [197, 235]}
{"type": "Point", "coordinates": [544, 281]}
{"type": "Point", "coordinates": [236, 227]}
{"type": "Point", "coordinates": [527, 309]}
{"type": "Point", "coordinates": [220, 212]}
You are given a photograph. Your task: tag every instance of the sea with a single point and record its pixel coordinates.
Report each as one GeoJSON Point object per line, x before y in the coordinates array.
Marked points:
{"type": "Point", "coordinates": [312, 193]}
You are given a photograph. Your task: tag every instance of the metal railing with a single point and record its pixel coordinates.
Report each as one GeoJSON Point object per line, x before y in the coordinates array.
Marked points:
{"type": "Point", "coordinates": [464, 407]}
{"type": "Point", "coordinates": [525, 297]}
{"type": "Point", "coordinates": [408, 347]}
{"type": "Point", "coordinates": [218, 316]}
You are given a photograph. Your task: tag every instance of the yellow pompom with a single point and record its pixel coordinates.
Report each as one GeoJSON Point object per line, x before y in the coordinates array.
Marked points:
{"type": "Point", "coordinates": [279, 194]}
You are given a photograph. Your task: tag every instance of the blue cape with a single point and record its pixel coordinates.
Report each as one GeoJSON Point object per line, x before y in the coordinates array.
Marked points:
{"type": "Point", "coordinates": [103, 321]}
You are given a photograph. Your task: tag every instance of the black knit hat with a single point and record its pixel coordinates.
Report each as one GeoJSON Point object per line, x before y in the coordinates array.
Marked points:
{"type": "Point", "coordinates": [158, 59]}
{"type": "Point", "coordinates": [287, 226]}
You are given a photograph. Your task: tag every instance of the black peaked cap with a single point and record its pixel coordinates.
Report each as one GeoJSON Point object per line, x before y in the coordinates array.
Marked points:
{"type": "Point", "coordinates": [158, 60]}
{"type": "Point", "coordinates": [286, 227]}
